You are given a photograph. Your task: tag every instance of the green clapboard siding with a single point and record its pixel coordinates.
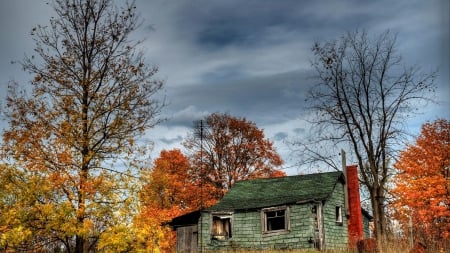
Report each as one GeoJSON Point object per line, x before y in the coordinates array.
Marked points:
{"type": "Point", "coordinates": [247, 232]}
{"type": "Point", "coordinates": [299, 193]}
{"type": "Point", "coordinates": [336, 234]}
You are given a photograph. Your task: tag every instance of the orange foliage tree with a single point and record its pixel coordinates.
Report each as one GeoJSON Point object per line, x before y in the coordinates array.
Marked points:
{"type": "Point", "coordinates": [172, 186]}
{"type": "Point", "coordinates": [171, 191]}
{"type": "Point", "coordinates": [232, 149]}
{"type": "Point", "coordinates": [422, 185]}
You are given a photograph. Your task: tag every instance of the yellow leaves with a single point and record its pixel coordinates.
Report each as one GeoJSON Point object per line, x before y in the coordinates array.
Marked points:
{"type": "Point", "coordinates": [34, 206]}
{"type": "Point", "coordinates": [150, 234]}
{"type": "Point", "coordinates": [115, 239]}
{"type": "Point", "coordinates": [87, 227]}
{"type": "Point", "coordinates": [12, 232]}
{"type": "Point", "coordinates": [141, 237]}
{"type": "Point", "coordinates": [14, 237]}
{"type": "Point", "coordinates": [82, 116]}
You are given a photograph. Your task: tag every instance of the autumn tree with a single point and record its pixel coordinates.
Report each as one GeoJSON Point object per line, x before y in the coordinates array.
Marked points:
{"type": "Point", "coordinates": [172, 185]}
{"type": "Point", "coordinates": [92, 96]}
{"type": "Point", "coordinates": [169, 191]}
{"type": "Point", "coordinates": [363, 97]}
{"type": "Point", "coordinates": [231, 149]}
{"type": "Point", "coordinates": [422, 185]}
{"type": "Point", "coordinates": [18, 193]}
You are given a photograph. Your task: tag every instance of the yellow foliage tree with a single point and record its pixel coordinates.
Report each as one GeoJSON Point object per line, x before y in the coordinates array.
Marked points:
{"type": "Point", "coordinates": [92, 97]}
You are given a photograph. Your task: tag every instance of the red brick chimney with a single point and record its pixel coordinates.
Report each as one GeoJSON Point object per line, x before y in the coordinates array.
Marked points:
{"type": "Point", "coordinates": [355, 223]}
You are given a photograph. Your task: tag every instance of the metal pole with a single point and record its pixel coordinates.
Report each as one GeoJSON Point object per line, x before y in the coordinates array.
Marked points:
{"type": "Point", "coordinates": [199, 127]}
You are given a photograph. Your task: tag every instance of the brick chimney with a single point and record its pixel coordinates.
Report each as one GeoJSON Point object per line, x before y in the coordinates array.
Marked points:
{"type": "Point", "coordinates": [355, 223]}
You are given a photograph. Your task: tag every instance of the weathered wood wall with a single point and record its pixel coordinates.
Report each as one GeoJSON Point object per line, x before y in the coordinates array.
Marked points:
{"type": "Point", "coordinates": [187, 239]}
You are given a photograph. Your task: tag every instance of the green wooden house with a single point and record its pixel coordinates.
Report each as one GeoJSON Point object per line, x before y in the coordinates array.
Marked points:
{"type": "Point", "coordinates": [294, 212]}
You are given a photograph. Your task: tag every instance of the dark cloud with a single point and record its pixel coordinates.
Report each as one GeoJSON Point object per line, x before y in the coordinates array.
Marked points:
{"type": "Point", "coordinates": [259, 98]}
{"type": "Point", "coordinates": [251, 58]}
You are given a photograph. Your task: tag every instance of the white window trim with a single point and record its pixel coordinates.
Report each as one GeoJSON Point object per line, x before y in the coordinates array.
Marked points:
{"type": "Point", "coordinates": [287, 220]}
{"type": "Point", "coordinates": [339, 219]}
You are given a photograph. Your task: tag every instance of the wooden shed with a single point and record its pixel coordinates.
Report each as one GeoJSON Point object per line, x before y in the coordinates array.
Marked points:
{"type": "Point", "coordinates": [294, 212]}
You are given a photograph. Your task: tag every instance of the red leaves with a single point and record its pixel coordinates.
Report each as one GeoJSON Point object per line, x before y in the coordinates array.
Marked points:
{"type": "Point", "coordinates": [233, 149]}
{"type": "Point", "coordinates": [171, 185]}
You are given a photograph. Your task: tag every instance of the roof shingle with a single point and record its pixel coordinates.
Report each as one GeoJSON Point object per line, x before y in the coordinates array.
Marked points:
{"type": "Point", "coordinates": [259, 193]}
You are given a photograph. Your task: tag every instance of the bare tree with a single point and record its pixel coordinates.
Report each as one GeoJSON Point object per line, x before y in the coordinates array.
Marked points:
{"type": "Point", "coordinates": [93, 95]}
{"type": "Point", "coordinates": [363, 97]}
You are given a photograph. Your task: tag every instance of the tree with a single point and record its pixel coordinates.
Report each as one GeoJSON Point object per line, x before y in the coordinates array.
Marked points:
{"type": "Point", "coordinates": [172, 185]}
{"type": "Point", "coordinates": [169, 191]}
{"type": "Point", "coordinates": [92, 97]}
{"type": "Point", "coordinates": [15, 192]}
{"type": "Point", "coordinates": [422, 185]}
{"type": "Point", "coordinates": [232, 149]}
{"type": "Point", "coordinates": [363, 97]}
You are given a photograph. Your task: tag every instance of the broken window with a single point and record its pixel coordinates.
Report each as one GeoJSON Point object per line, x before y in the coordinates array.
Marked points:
{"type": "Point", "coordinates": [221, 226]}
{"type": "Point", "coordinates": [275, 219]}
{"type": "Point", "coordinates": [317, 240]}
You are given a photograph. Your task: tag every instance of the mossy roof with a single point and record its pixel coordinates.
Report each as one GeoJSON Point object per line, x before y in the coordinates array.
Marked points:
{"type": "Point", "coordinates": [260, 193]}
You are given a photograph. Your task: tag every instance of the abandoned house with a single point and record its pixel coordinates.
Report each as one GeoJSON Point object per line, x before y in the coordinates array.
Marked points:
{"type": "Point", "coordinates": [321, 211]}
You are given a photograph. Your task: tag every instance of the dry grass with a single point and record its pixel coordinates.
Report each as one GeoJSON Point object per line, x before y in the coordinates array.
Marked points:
{"type": "Point", "coordinates": [391, 247]}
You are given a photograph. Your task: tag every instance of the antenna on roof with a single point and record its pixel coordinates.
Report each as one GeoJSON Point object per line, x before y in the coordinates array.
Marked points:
{"type": "Point", "coordinates": [199, 131]}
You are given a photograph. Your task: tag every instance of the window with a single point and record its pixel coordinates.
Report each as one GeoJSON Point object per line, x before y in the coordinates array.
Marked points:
{"type": "Point", "coordinates": [275, 219]}
{"type": "Point", "coordinates": [221, 226]}
{"type": "Point", "coordinates": [339, 215]}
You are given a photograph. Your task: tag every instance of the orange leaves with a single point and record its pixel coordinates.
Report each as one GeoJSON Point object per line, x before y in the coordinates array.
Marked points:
{"type": "Point", "coordinates": [170, 184]}
{"type": "Point", "coordinates": [423, 183]}
{"type": "Point", "coordinates": [277, 173]}
{"type": "Point", "coordinates": [169, 193]}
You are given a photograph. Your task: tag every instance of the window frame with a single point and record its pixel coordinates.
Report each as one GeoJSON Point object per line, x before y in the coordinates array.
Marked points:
{"type": "Point", "coordinates": [264, 222]}
{"type": "Point", "coordinates": [338, 215]}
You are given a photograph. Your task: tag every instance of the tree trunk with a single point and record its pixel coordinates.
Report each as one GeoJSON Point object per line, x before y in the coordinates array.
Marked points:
{"type": "Point", "coordinates": [79, 244]}
{"type": "Point", "coordinates": [80, 240]}
{"type": "Point", "coordinates": [379, 216]}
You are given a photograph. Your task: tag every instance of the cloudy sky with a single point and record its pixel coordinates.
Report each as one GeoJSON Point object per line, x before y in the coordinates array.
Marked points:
{"type": "Point", "coordinates": [250, 58]}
